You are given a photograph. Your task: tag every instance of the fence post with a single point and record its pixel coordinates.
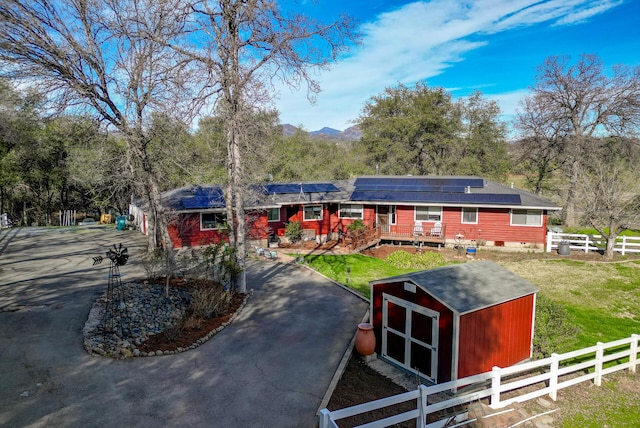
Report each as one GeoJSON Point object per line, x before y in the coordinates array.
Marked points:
{"type": "Point", "coordinates": [495, 387]}
{"type": "Point", "coordinates": [325, 418]}
{"type": "Point", "coordinates": [633, 358]}
{"type": "Point", "coordinates": [598, 367]}
{"type": "Point", "coordinates": [422, 407]}
{"type": "Point", "coordinates": [553, 376]}
{"type": "Point", "coordinates": [586, 244]}
{"type": "Point", "coordinates": [549, 241]}
{"type": "Point", "coordinates": [624, 244]}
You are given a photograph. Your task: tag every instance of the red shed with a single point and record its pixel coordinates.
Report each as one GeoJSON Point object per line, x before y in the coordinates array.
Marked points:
{"type": "Point", "coordinates": [454, 321]}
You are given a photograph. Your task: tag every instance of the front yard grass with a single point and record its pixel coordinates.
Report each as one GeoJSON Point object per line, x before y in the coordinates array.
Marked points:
{"type": "Point", "coordinates": [362, 270]}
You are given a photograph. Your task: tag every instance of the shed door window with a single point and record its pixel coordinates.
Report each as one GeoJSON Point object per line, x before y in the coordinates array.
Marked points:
{"type": "Point", "coordinates": [410, 336]}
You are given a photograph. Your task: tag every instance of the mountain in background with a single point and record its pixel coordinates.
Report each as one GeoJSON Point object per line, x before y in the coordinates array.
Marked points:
{"type": "Point", "coordinates": [352, 133]}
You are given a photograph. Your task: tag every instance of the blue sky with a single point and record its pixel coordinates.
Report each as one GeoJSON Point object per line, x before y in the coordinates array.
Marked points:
{"type": "Point", "coordinates": [490, 45]}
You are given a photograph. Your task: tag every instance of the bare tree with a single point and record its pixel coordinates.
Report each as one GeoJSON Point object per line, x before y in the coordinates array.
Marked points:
{"type": "Point", "coordinates": [246, 44]}
{"type": "Point", "coordinates": [609, 190]}
{"type": "Point", "coordinates": [581, 101]}
{"type": "Point", "coordinates": [111, 57]}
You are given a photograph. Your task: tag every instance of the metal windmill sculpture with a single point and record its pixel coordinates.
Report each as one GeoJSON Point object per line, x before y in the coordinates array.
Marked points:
{"type": "Point", "coordinates": [115, 301]}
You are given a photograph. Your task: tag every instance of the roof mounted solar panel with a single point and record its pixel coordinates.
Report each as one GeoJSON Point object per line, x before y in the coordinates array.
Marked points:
{"type": "Point", "coordinates": [418, 183]}
{"type": "Point", "coordinates": [284, 188]}
{"type": "Point", "coordinates": [436, 197]}
{"type": "Point", "coordinates": [203, 202]}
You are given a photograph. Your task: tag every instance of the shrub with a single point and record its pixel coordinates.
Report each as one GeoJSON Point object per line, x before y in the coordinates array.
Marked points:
{"type": "Point", "coordinates": [403, 260]}
{"type": "Point", "coordinates": [357, 226]}
{"type": "Point", "coordinates": [293, 231]}
{"type": "Point", "coordinates": [209, 300]}
{"type": "Point", "coordinates": [554, 331]}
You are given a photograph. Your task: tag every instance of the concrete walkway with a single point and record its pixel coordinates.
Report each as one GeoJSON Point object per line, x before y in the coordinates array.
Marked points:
{"type": "Point", "coordinates": [271, 367]}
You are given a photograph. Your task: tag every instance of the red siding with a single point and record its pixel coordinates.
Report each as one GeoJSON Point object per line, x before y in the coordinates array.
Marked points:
{"type": "Point", "coordinates": [493, 225]}
{"type": "Point", "coordinates": [496, 336]}
{"type": "Point", "coordinates": [186, 232]}
{"type": "Point", "coordinates": [422, 298]}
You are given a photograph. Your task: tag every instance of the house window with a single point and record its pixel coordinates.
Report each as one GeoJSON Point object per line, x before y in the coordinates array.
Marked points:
{"type": "Point", "coordinates": [210, 221]}
{"type": "Point", "coordinates": [470, 215]}
{"type": "Point", "coordinates": [428, 214]}
{"type": "Point", "coordinates": [526, 217]}
{"type": "Point", "coordinates": [273, 214]}
{"type": "Point", "coordinates": [350, 211]}
{"type": "Point", "coordinates": [392, 214]}
{"type": "Point", "coordinates": [312, 212]}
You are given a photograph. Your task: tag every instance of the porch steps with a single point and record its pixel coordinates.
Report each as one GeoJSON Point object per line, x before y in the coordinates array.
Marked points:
{"type": "Point", "coordinates": [366, 245]}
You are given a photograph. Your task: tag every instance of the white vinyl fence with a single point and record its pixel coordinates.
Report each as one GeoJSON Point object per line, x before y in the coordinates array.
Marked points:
{"type": "Point", "coordinates": [4, 221]}
{"type": "Point", "coordinates": [586, 243]}
{"type": "Point", "coordinates": [501, 386]}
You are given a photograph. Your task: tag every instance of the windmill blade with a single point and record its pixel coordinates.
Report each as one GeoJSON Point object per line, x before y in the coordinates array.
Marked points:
{"type": "Point", "coordinates": [97, 260]}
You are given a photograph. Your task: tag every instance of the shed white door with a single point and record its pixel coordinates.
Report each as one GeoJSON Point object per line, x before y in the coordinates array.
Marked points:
{"type": "Point", "coordinates": [410, 336]}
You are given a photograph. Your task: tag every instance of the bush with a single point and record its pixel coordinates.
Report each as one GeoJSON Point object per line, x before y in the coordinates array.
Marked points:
{"type": "Point", "coordinates": [403, 260]}
{"type": "Point", "coordinates": [357, 226]}
{"type": "Point", "coordinates": [209, 301]}
{"type": "Point", "coordinates": [293, 231]}
{"type": "Point", "coordinates": [554, 331]}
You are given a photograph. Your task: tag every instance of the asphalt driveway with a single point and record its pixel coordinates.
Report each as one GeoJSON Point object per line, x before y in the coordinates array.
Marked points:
{"type": "Point", "coordinates": [271, 367]}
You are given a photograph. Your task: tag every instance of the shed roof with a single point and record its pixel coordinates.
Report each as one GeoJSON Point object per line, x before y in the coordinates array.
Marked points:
{"type": "Point", "coordinates": [470, 286]}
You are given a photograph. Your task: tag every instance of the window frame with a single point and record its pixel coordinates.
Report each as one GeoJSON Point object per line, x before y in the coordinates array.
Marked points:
{"type": "Point", "coordinates": [313, 207]}
{"type": "Point", "coordinates": [527, 213]}
{"type": "Point", "coordinates": [217, 224]}
{"type": "Point", "coordinates": [468, 209]}
{"type": "Point", "coordinates": [430, 211]}
{"type": "Point", "coordinates": [270, 211]}
{"type": "Point", "coordinates": [359, 211]}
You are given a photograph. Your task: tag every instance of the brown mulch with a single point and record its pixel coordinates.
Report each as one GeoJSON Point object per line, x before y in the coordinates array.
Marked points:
{"type": "Point", "coordinates": [190, 329]}
{"type": "Point", "coordinates": [360, 384]}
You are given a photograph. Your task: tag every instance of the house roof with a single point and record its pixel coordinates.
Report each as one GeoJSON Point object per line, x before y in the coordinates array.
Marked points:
{"type": "Point", "coordinates": [468, 191]}
{"type": "Point", "coordinates": [468, 287]}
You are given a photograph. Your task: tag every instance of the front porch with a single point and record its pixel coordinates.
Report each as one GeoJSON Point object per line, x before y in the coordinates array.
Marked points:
{"type": "Point", "coordinates": [417, 234]}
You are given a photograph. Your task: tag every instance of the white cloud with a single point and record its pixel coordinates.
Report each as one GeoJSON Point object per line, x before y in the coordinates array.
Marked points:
{"type": "Point", "coordinates": [416, 42]}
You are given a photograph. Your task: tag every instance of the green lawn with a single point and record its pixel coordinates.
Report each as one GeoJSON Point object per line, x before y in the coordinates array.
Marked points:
{"type": "Point", "coordinates": [362, 270]}
{"type": "Point", "coordinates": [602, 299]}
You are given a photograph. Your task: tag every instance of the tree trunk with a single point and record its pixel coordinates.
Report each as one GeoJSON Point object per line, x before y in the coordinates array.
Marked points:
{"type": "Point", "coordinates": [570, 205]}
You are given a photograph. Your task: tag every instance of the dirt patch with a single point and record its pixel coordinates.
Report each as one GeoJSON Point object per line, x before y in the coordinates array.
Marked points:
{"type": "Point", "coordinates": [360, 384]}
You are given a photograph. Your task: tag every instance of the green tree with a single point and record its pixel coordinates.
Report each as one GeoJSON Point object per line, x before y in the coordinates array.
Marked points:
{"type": "Point", "coordinates": [483, 143]}
{"type": "Point", "coordinates": [411, 130]}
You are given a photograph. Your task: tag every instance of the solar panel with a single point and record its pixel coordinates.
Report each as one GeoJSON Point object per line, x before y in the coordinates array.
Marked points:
{"type": "Point", "coordinates": [295, 188]}
{"type": "Point", "coordinates": [207, 191]}
{"type": "Point", "coordinates": [436, 197]}
{"type": "Point", "coordinates": [418, 183]}
{"type": "Point", "coordinates": [201, 202]}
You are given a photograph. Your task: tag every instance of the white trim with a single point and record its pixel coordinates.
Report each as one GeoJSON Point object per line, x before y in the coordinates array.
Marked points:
{"type": "Point", "coordinates": [528, 212]}
{"type": "Point", "coordinates": [455, 346]}
{"type": "Point", "coordinates": [407, 335]}
{"type": "Point", "coordinates": [462, 215]}
{"type": "Point", "coordinates": [314, 206]}
{"type": "Point", "coordinates": [273, 221]}
{"type": "Point", "coordinates": [429, 213]}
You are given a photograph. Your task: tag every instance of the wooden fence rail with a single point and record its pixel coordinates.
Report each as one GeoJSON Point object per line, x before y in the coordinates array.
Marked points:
{"type": "Point", "coordinates": [586, 243]}
{"type": "Point", "coordinates": [549, 375]}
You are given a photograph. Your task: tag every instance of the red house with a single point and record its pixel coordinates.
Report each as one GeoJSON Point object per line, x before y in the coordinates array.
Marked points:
{"type": "Point", "coordinates": [454, 321]}
{"type": "Point", "coordinates": [442, 210]}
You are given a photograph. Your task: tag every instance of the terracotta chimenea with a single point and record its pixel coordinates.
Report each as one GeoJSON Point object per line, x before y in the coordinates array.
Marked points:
{"type": "Point", "coordinates": [365, 339]}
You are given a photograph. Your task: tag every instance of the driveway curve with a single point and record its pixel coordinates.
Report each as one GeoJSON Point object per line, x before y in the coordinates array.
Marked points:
{"type": "Point", "coordinates": [270, 367]}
